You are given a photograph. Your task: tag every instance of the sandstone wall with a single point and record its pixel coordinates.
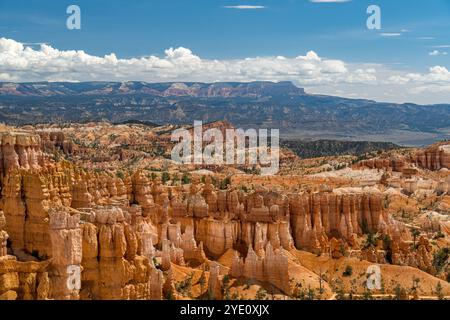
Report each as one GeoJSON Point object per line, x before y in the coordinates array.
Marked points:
{"type": "Point", "coordinates": [434, 158]}
{"type": "Point", "coordinates": [269, 266]}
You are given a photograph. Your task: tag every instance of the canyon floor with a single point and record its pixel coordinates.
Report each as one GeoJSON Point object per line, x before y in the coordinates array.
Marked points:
{"type": "Point", "coordinates": [99, 211]}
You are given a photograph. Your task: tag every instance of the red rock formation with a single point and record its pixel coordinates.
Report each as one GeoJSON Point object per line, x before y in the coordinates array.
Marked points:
{"type": "Point", "coordinates": [271, 266]}
{"type": "Point", "coordinates": [142, 192]}
{"type": "Point", "coordinates": [117, 230]}
{"type": "Point", "coordinates": [214, 284]}
{"type": "Point", "coordinates": [66, 252]}
{"type": "Point", "coordinates": [171, 254]}
{"type": "Point", "coordinates": [394, 164]}
{"type": "Point", "coordinates": [23, 280]}
{"type": "Point", "coordinates": [317, 217]}
{"type": "Point", "coordinates": [192, 251]}
{"type": "Point", "coordinates": [3, 236]}
{"type": "Point", "coordinates": [117, 257]}
{"type": "Point", "coordinates": [19, 150]}
{"type": "Point", "coordinates": [56, 140]}
{"type": "Point", "coordinates": [421, 257]}
{"type": "Point", "coordinates": [14, 209]}
{"type": "Point", "coordinates": [434, 158]}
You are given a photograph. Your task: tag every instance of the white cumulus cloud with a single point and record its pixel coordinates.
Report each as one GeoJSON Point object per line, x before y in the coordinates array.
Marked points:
{"type": "Point", "coordinates": [317, 74]}
{"type": "Point", "coordinates": [390, 34]}
{"type": "Point", "coordinates": [438, 53]}
{"type": "Point", "coordinates": [245, 7]}
{"type": "Point", "coordinates": [24, 63]}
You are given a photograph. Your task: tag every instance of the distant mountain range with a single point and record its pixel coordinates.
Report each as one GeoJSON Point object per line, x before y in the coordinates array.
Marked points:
{"type": "Point", "coordinates": [255, 104]}
{"type": "Point", "coordinates": [191, 89]}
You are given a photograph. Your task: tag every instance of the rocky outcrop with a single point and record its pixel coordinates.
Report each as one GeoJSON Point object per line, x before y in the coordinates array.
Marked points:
{"type": "Point", "coordinates": [81, 197]}
{"type": "Point", "coordinates": [66, 252]}
{"type": "Point", "coordinates": [192, 251]}
{"type": "Point", "coordinates": [3, 236]}
{"type": "Point", "coordinates": [391, 164]}
{"type": "Point", "coordinates": [56, 140]}
{"type": "Point", "coordinates": [435, 157]}
{"type": "Point", "coordinates": [319, 216]}
{"type": "Point", "coordinates": [23, 280]}
{"type": "Point", "coordinates": [270, 266]}
{"type": "Point", "coordinates": [214, 284]}
{"type": "Point", "coordinates": [14, 209]}
{"type": "Point", "coordinates": [217, 236]}
{"type": "Point", "coordinates": [221, 220]}
{"type": "Point", "coordinates": [142, 192]}
{"type": "Point", "coordinates": [117, 256]}
{"type": "Point", "coordinates": [68, 232]}
{"type": "Point", "coordinates": [19, 150]}
{"type": "Point", "coordinates": [420, 257]}
{"type": "Point", "coordinates": [38, 201]}
{"type": "Point", "coordinates": [27, 196]}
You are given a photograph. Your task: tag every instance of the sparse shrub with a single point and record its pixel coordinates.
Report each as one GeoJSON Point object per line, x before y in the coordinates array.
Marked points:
{"type": "Point", "coordinates": [235, 296]}
{"type": "Point", "coordinates": [120, 174]}
{"type": "Point", "coordinates": [225, 183]}
{"type": "Point", "coordinates": [415, 233]}
{"type": "Point", "coordinates": [202, 281]}
{"type": "Point", "coordinates": [261, 294]}
{"type": "Point", "coordinates": [184, 286]}
{"type": "Point", "coordinates": [311, 293]}
{"type": "Point", "coordinates": [348, 271]}
{"type": "Point", "coordinates": [370, 241]}
{"type": "Point", "coordinates": [169, 295]}
{"type": "Point", "coordinates": [226, 287]}
{"type": "Point", "coordinates": [440, 258]}
{"type": "Point", "coordinates": [185, 179]}
{"type": "Point", "coordinates": [156, 263]}
{"type": "Point", "coordinates": [400, 293]}
{"type": "Point", "coordinates": [340, 293]}
{"type": "Point", "coordinates": [165, 177]}
{"type": "Point", "coordinates": [342, 250]}
{"type": "Point", "coordinates": [438, 291]}
{"type": "Point", "coordinates": [438, 235]}
{"type": "Point", "coordinates": [226, 279]}
{"type": "Point", "coordinates": [367, 295]}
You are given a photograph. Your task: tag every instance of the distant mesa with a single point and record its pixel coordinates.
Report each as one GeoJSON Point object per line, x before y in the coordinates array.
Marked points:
{"type": "Point", "coordinates": [192, 89]}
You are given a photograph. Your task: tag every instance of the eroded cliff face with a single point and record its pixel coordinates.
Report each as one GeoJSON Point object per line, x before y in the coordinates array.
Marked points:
{"type": "Point", "coordinates": [228, 219]}
{"type": "Point", "coordinates": [56, 140]}
{"type": "Point", "coordinates": [269, 266]}
{"type": "Point", "coordinates": [435, 157]}
{"type": "Point", "coordinates": [394, 164]}
{"type": "Point", "coordinates": [117, 256]}
{"type": "Point", "coordinates": [72, 233]}
{"type": "Point", "coordinates": [3, 236]}
{"type": "Point", "coordinates": [66, 253]}
{"type": "Point", "coordinates": [20, 150]}
{"type": "Point", "coordinates": [318, 217]}
{"type": "Point", "coordinates": [27, 280]}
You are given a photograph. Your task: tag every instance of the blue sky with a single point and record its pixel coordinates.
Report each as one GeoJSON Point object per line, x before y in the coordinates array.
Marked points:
{"type": "Point", "coordinates": [414, 38]}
